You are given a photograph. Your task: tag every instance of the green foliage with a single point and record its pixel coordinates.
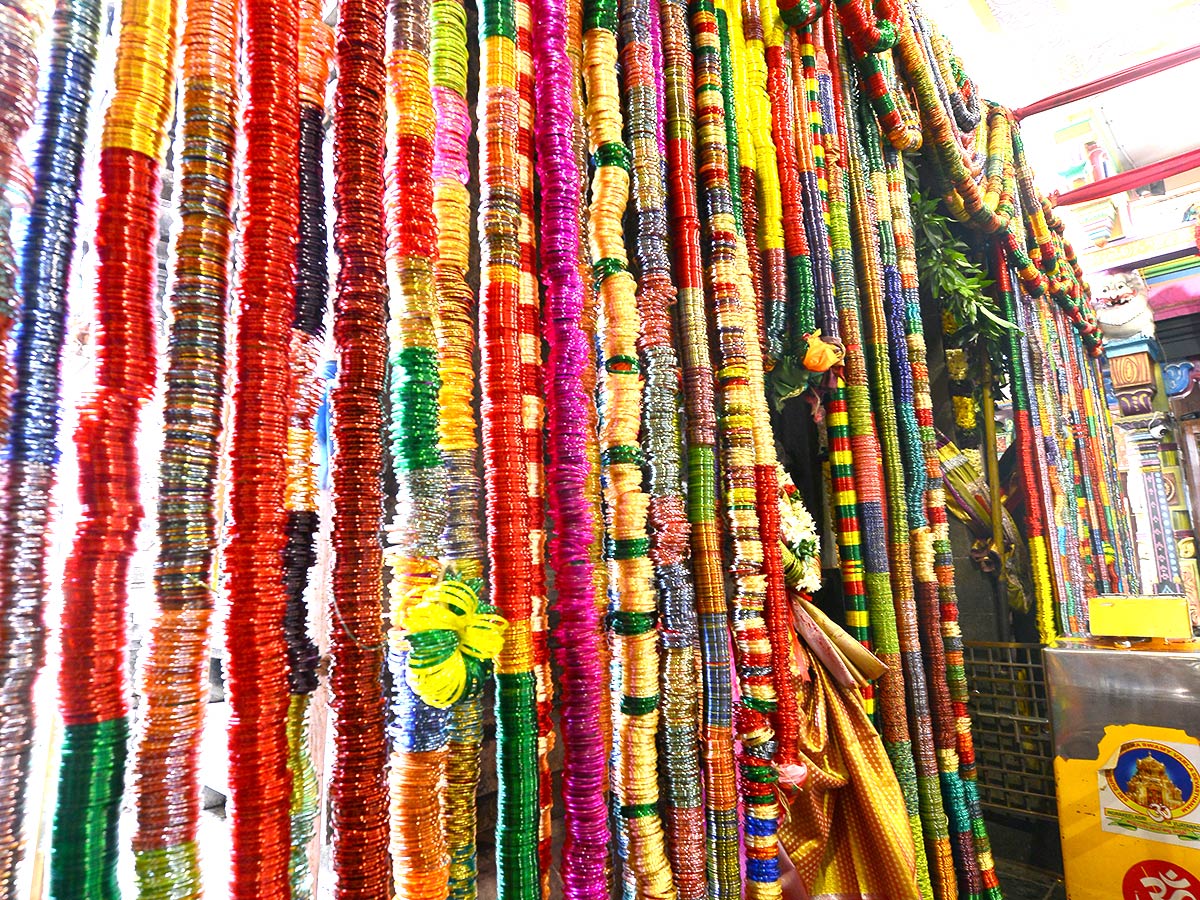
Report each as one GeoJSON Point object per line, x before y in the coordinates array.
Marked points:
{"type": "Point", "coordinates": [946, 270]}
{"type": "Point", "coordinates": [950, 275]}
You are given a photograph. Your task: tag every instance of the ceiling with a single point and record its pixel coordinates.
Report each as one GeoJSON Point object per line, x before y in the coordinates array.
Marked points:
{"type": "Point", "coordinates": [1019, 51]}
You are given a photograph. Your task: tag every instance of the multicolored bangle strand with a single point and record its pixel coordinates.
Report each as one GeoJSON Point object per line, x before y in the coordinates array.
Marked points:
{"type": "Point", "coordinates": [1034, 513]}
{"type": "Point", "coordinates": [782, 115]}
{"type": "Point", "coordinates": [744, 175]}
{"type": "Point", "coordinates": [720, 786]}
{"type": "Point", "coordinates": [22, 28]}
{"type": "Point", "coordinates": [1050, 499]}
{"type": "Point", "coordinates": [848, 195]}
{"type": "Point", "coordinates": [462, 542]}
{"type": "Point", "coordinates": [642, 66]}
{"type": "Point", "coordinates": [1055, 468]}
{"type": "Point", "coordinates": [33, 428]}
{"type": "Point", "coordinates": [315, 51]}
{"type": "Point", "coordinates": [803, 318]}
{"type": "Point", "coordinates": [422, 688]}
{"type": "Point", "coordinates": [92, 687]}
{"type": "Point", "coordinates": [714, 116]}
{"type": "Point", "coordinates": [174, 675]}
{"type": "Point", "coordinates": [784, 720]}
{"type": "Point", "coordinates": [505, 460]}
{"type": "Point", "coordinates": [632, 622]}
{"type": "Point", "coordinates": [867, 528]}
{"type": "Point", "coordinates": [820, 354]}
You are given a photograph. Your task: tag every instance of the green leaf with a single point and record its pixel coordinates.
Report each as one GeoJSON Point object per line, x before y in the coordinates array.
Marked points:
{"type": "Point", "coordinates": [1002, 322]}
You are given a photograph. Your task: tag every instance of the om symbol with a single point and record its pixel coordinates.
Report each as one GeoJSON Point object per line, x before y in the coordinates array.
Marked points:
{"type": "Point", "coordinates": [1160, 812]}
{"type": "Point", "coordinates": [1154, 879]}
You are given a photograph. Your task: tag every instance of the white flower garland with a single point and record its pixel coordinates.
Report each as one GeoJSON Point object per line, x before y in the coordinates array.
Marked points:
{"type": "Point", "coordinates": [800, 537]}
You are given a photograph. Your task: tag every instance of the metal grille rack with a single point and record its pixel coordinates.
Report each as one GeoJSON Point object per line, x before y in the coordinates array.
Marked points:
{"type": "Point", "coordinates": [1011, 723]}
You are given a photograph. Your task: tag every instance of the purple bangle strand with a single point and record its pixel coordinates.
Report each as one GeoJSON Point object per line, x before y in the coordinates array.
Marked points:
{"type": "Point", "coordinates": [660, 85]}
{"type": "Point", "coordinates": [585, 849]}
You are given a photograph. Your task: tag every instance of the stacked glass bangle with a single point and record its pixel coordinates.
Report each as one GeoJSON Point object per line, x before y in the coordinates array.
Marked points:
{"type": "Point", "coordinates": [462, 542]}
{"type": "Point", "coordinates": [174, 683]}
{"type": "Point", "coordinates": [644, 86]}
{"type": "Point", "coordinates": [22, 27]}
{"type": "Point", "coordinates": [849, 229]}
{"type": "Point", "coordinates": [417, 727]}
{"type": "Point", "coordinates": [784, 720]}
{"type": "Point", "coordinates": [260, 780]}
{"type": "Point", "coordinates": [357, 787]}
{"type": "Point", "coordinates": [720, 791]}
{"type": "Point", "coordinates": [578, 636]}
{"type": "Point", "coordinates": [315, 50]}
{"type": "Point", "coordinates": [92, 689]}
{"type": "Point", "coordinates": [632, 619]}
{"type": "Point", "coordinates": [729, 277]}
{"type": "Point", "coordinates": [32, 382]}
{"type": "Point", "coordinates": [506, 480]}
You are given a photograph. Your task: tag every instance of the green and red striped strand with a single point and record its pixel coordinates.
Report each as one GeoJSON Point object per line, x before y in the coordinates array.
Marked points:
{"type": "Point", "coordinates": [812, 168]}
{"type": "Point", "coordinates": [841, 457]}
{"type": "Point", "coordinates": [816, 208]}
{"type": "Point", "coordinates": [811, 41]}
{"type": "Point", "coordinates": [867, 42]}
